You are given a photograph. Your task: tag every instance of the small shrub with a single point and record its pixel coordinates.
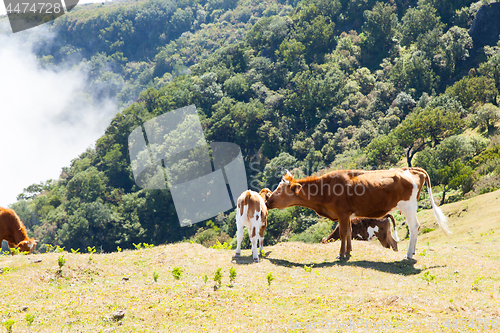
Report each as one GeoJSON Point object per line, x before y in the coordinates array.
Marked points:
{"type": "Point", "coordinates": [155, 276]}
{"type": "Point", "coordinates": [210, 237]}
{"type": "Point", "coordinates": [269, 278]}
{"type": "Point", "coordinates": [428, 277]}
{"type": "Point", "coordinates": [75, 251]}
{"type": "Point", "coordinates": [218, 278]}
{"type": "Point", "coordinates": [137, 246]}
{"type": "Point", "coordinates": [91, 250]}
{"type": "Point", "coordinates": [232, 275]}
{"type": "Point", "coordinates": [59, 249]}
{"type": "Point", "coordinates": [119, 249]}
{"type": "Point", "coordinates": [486, 184]}
{"type": "Point", "coordinates": [177, 273]}
{"type": "Point", "coordinates": [219, 246]}
{"type": "Point", "coordinates": [8, 324]}
{"type": "Point", "coordinates": [308, 268]}
{"type": "Point", "coordinates": [61, 261]}
{"type": "Point", "coordinates": [475, 284]}
{"type": "Point", "coordinates": [30, 318]}
{"type": "Point", "coordinates": [315, 233]}
{"type": "Point", "coordinates": [426, 230]}
{"type": "Point", "coordinates": [205, 278]}
{"type": "Point", "coordinates": [14, 251]}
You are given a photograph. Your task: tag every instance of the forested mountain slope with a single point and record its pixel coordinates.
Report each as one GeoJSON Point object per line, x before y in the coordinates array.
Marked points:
{"type": "Point", "coordinates": [351, 84]}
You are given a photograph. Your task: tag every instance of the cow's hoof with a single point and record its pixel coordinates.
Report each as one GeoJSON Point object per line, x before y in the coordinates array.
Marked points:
{"type": "Point", "coordinates": [343, 258]}
{"type": "Point", "coordinates": [324, 240]}
{"type": "Point", "coordinates": [255, 259]}
{"type": "Point", "coordinates": [237, 255]}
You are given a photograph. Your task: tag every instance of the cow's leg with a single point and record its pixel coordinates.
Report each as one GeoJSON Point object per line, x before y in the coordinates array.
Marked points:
{"type": "Point", "coordinates": [255, 251]}
{"type": "Point", "coordinates": [413, 226]}
{"type": "Point", "coordinates": [345, 237]}
{"type": "Point", "coordinates": [409, 210]}
{"type": "Point", "coordinates": [11, 246]}
{"type": "Point", "coordinates": [239, 239]}
{"type": "Point", "coordinates": [334, 235]}
{"type": "Point", "coordinates": [261, 238]}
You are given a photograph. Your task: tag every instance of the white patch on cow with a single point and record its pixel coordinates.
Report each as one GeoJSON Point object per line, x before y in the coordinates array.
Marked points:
{"type": "Point", "coordinates": [409, 209]}
{"type": "Point", "coordinates": [30, 245]}
{"type": "Point", "coordinates": [371, 232]}
{"type": "Point", "coordinates": [359, 237]}
{"type": "Point", "coordinates": [409, 176]}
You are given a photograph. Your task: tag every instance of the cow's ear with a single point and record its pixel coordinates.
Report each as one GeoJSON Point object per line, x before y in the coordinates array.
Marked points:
{"type": "Point", "coordinates": [265, 193]}
{"type": "Point", "coordinates": [296, 187]}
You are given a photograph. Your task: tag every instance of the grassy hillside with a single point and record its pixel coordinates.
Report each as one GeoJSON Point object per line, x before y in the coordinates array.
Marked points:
{"type": "Point", "coordinates": [454, 281]}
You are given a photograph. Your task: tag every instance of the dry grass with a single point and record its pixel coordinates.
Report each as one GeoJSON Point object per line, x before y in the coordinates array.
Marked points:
{"type": "Point", "coordinates": [454, 281]}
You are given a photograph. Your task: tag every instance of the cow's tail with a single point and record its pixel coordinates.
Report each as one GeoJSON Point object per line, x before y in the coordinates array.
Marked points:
{"type": "Point", "coordinates": [441, 219]}
{"type": "Point", "coordinates": [394, 232]}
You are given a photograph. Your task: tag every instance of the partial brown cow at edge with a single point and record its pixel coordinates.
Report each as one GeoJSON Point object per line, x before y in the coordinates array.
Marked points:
{"type": "Point", "coordinates": [12, 229]}
{"type": "Point", "coordinates": [366, 229]}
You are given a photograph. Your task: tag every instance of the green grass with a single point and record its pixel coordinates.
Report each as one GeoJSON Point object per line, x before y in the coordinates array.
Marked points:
{"type": "Point", "coordinates": [456, 281]}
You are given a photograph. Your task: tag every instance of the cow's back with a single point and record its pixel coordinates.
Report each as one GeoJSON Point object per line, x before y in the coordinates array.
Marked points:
{"type": "Point", "coordinates": [250, 205]}
{"type": "Point", "coordinates": [9, 223]}
{"type": "Point", "coordinates": [378, 192]}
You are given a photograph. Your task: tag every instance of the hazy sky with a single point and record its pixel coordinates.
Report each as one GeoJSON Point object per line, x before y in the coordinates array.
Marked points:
{"type": "Point", "coordinates": [44, 121]}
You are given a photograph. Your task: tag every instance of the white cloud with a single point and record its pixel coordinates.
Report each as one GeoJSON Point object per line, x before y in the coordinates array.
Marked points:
{"type": "Point", "coordinates": [42, 125]}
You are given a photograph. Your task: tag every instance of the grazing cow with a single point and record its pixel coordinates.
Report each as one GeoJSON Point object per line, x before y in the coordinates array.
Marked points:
{"type": "Point", "coordinates": [344, 194]}
{"type": "Point", "coordinates": [252, 213]}
{"type": "Point", "coordinates": [13, 231]}
{"type": "Point", "coordinates": [366, 229]}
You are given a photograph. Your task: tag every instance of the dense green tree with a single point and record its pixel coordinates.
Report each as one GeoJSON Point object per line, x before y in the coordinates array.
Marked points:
{"type": "Point", "coordinates": [383, 151]}
{"type": "Point", "coordinates": [456, 43]}
{"type": "Point", "coordinates": [472, 90]}
{"type": "Point", "coordinates": [379, 30]}
{"type": "Point", "coordinates": [426, 127]}
{"type": "Point", "coordinates": [418, 22]}
{"type": "Point", "coordinates": [485, 117]}
{"type": "Point", "coordinates": [87, 186]}
{"type": "Point", "coordinates": [446, 163]}
{"type": "Point", "coordinates": [412, 72]}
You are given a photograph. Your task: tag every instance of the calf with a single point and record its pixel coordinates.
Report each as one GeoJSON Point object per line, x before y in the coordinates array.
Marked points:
{"type": "Point", "coordinates": [366, 229]}
{"type": "Point", "coordinates": [252, 213]}
{"type": "Point", "coordinates": [13, 231]}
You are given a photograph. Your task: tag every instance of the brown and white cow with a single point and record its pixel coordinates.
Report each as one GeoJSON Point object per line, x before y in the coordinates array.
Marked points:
{"type": "Point", "coordinates": [344, 194]}
{"type": "Point", "coordinates": [251, 212]}
{"type": "Point", "coordinates": [366, 229]}
{"type": "Point", "coordinates": [12, 229]}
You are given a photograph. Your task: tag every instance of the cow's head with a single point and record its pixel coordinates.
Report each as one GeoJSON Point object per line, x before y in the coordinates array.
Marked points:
{"type": "Point", "coordinates": [27, 245]}
{"type": "Point", "coordinates": [265, 193]}
{"type": "Point", "coordinates": [282, 197]}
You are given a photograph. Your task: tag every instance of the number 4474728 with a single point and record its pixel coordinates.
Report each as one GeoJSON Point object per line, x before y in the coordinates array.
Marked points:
{"type": "Point", "coordinates": [34, 7]}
